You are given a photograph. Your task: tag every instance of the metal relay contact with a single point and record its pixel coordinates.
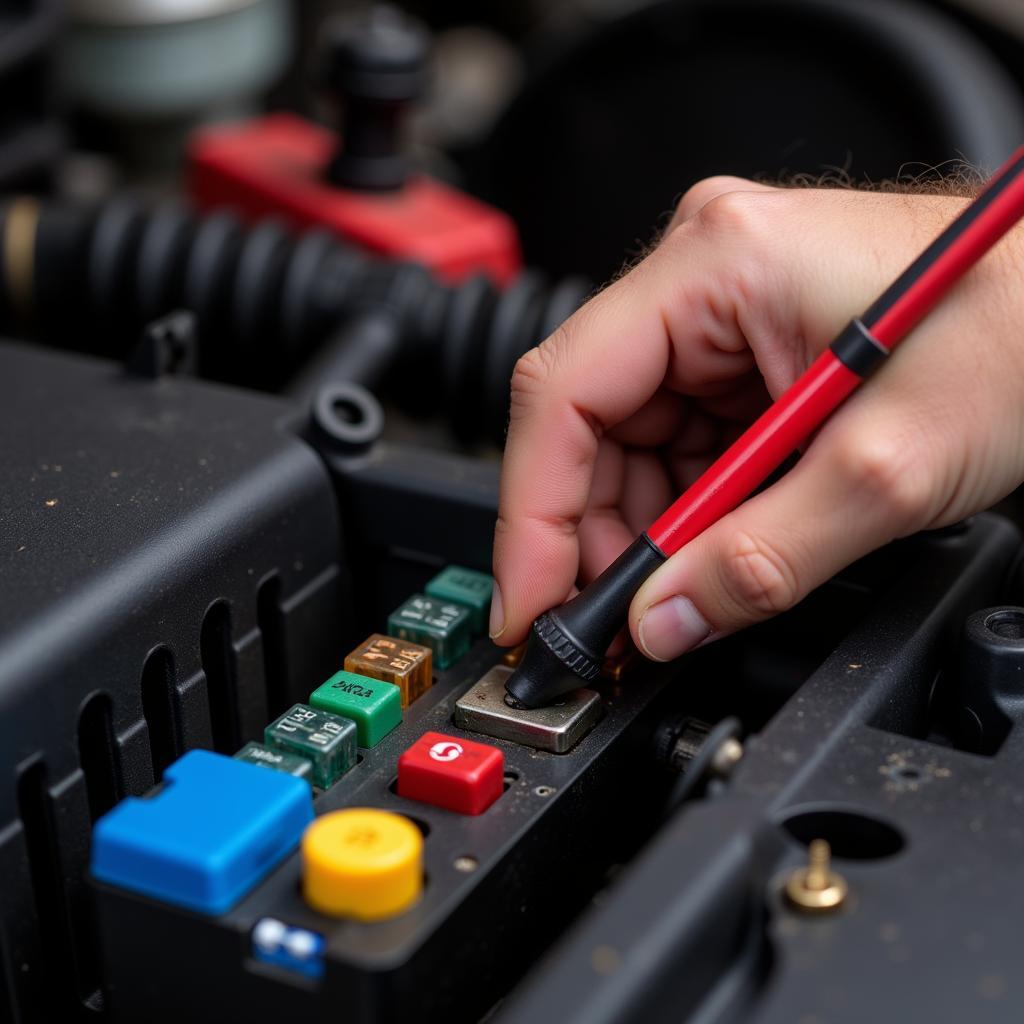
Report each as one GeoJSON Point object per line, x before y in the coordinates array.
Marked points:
{"type": "Point", "coordinates": [556, 728]}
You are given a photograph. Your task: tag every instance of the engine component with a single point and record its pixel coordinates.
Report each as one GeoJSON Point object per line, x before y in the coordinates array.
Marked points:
{"type": "Point", "coordinates": [264, 299]}
{"type": "Point", "coordinates": [375, 66]}
{"type": "Point", "coordinates": [148, 72]}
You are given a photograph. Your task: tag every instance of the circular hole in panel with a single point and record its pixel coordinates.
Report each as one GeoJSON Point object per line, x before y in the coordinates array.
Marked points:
{"type": "Point", "coordinates": [544, 790]}
{"type": "Point", "coordinates": [466, 863]}
{"type": "Point", "coordinates": [1007, 623]}
{"type": "Point", "coordinates": [850, 834]}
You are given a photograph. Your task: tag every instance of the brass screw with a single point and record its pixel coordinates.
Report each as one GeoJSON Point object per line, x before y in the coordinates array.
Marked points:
{"type": "Point", "coordinates": [816, 888]}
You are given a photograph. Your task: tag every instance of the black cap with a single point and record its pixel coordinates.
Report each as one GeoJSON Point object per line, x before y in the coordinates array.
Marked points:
{"type": "Point", "coordinates": [374, 64]}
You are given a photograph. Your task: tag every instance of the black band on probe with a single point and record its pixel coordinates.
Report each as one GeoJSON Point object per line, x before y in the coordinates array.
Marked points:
{"type": "Point", "coordinates": [858, 349]}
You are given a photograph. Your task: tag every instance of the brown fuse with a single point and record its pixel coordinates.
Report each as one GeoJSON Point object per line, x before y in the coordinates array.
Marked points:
{"type": "Point", "coordinates": [409, 666]}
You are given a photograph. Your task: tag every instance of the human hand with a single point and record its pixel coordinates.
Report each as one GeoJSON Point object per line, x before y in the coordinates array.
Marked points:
{"type": "Point", "coordinates": [639, 391]}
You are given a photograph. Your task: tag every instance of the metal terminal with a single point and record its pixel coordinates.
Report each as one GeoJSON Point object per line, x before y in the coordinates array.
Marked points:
{"type": "Point", "coordinates": [613, 669]}
{"type": "Point", "coordinates": [514, 655]}
{"type": "Point", "coordinates": [557, 728]}
{"type": "Point", "coordinates": [816, 888]}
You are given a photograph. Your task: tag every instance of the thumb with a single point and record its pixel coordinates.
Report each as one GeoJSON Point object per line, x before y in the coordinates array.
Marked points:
{"type": "Point", "coordinates": [848, 495]}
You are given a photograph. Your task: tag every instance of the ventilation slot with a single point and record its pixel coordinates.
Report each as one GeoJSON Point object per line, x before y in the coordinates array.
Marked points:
{"type": "Point", "coordinates": [221, 682]}
{"type": "Point", "coordinates": [160, 707]}
{"type": "Point", "coordinates": [71, 975]}
{"type": "Point", "coordinates": [97, 752]}
{"type": "Point", "coordinates": [272, 632]}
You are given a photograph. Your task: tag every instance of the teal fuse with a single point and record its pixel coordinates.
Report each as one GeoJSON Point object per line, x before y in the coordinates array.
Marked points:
{"type": "Point", "coordinates": [467, 587]}
{"type": "Point", "coordinates": [442, 626]}
{"type": "Point", "coordinates": [278, 760]}
{"type": "Point", "coordinates": [327, 740]}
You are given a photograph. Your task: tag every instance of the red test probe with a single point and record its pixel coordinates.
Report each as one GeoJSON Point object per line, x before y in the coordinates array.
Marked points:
{"type": "Point", "coordinates": [567, 644]}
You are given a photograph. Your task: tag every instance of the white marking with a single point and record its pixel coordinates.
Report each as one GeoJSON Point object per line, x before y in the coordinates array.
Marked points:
{"type": "Point", "coordinates": [446, 750]}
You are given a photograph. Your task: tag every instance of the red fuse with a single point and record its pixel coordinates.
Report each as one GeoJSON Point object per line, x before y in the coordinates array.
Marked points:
{"type": "Point", "coordinates": [456, 774]}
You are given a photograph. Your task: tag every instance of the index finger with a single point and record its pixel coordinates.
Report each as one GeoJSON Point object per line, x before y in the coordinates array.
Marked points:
{"type": "Point", "coordinates": [597, 370]}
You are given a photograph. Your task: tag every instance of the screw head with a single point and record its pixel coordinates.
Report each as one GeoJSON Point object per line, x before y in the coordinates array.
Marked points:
{"type": "Point", "coordinates": [727, 756]}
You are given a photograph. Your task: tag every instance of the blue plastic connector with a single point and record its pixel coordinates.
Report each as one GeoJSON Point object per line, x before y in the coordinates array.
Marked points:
{"type": "Point", "coordinates": [215, 828]}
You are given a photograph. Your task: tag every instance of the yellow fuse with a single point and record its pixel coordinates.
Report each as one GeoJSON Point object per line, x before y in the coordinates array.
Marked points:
{"type": "Point", "coordinates": [409, 666]}
{"type": "Point", "coordinates": [362, 863]}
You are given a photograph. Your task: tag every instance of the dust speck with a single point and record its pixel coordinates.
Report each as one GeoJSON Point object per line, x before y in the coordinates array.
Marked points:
{"type": "Point", "coordinates": [605, 959]}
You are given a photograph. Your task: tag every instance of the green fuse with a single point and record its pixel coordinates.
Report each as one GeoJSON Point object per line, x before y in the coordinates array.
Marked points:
{"type": "Point", "coordinates": [467, 587]}
{"type": "Point", "coordinates": [278, 760]}
{"type": "Point", "coordinates": [375, 706]}
{"type": "Point", "coordinates": [325, 739]}
{"type": "Point", "coordinates": [442, 626]}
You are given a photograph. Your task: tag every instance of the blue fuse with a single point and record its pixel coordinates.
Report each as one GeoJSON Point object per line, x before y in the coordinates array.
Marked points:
{"type": "Point", "coordinates": [293, 949]}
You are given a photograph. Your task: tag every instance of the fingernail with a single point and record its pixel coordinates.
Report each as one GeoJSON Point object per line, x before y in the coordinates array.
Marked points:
{"type": "Point", "coordinates": [497, 623]}
{"type": "Point", "coordinates": [671, 627]}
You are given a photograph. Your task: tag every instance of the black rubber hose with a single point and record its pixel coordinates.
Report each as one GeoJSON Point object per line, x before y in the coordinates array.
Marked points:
{"type": "Point", "coordinates": [265, 299]}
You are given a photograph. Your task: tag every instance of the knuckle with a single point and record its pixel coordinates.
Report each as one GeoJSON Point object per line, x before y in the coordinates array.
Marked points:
{"type": "Point", "coordinates": [730, 213]}
{"type": "Point", "coordinates": [703, 191]}
{"type": "Point", "coordinates": [884, 469]}
{"type": "Point", "coordinates": [759, 579]}
{"type": "Point", "coordinates": [534, 370]}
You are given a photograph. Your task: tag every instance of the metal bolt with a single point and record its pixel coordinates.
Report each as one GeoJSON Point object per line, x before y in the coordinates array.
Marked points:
{"type": "Point", "coordinates": [816, 888]}
{"type": "Point", "coordinates": [465, 864]}
{"type": "Point", "coordinates": [727, 756]}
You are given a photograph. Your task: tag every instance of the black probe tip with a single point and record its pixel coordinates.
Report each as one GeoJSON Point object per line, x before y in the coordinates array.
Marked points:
{"type": "Point", "coordinates": [552, 664]}
{"type": "Point", "coordinates": [567, 645]}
